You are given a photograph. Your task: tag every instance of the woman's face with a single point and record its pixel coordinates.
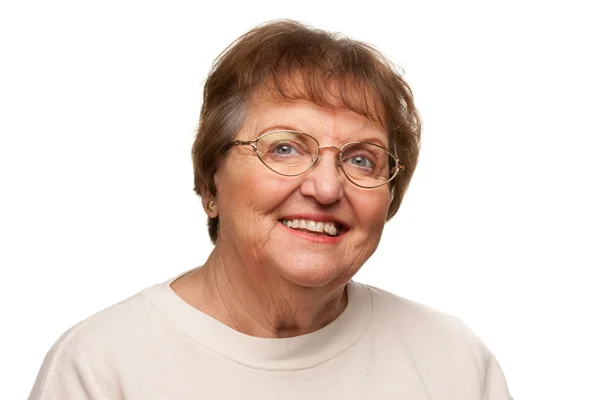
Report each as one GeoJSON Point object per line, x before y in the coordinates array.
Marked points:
{"type": "Point", "coordinates": [253, 200]}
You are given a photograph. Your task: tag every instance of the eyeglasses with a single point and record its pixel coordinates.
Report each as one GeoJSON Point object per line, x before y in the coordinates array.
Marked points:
{"type": "Point", "coordinates": [292, 153]}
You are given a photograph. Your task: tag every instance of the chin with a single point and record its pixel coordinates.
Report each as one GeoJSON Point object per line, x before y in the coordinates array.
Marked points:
{"type": "Point", "coordinates": [314, 272]}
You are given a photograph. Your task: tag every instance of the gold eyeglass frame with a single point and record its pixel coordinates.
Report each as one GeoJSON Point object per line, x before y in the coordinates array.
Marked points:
{"type": "Point", "coordinates": [252, 143]}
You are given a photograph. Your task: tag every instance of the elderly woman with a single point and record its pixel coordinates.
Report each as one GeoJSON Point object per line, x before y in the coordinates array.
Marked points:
{"type": "Point", "coordinates": [306, 144]}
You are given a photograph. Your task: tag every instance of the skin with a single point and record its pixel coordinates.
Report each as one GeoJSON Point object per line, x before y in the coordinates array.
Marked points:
{"type": "Point", "coordinates": [261, 279]}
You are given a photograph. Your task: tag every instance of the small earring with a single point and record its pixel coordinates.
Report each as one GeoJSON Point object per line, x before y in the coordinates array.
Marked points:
{"type": "Point", "coordinates": [211, 206]}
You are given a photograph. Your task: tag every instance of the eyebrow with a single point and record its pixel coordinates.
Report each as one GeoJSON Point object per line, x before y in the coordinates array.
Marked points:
{"type": "Point", "coordinates": [372, 139]}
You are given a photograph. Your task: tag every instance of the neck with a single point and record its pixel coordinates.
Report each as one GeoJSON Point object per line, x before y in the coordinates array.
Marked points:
{"type": "Point", "coordinates": [255, 301]}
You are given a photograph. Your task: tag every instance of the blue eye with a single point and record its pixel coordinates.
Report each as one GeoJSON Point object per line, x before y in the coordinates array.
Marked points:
{"type": "Point", "coordinates": [284, 149]}
{"type": "Point", "coordinates": [361, 162]}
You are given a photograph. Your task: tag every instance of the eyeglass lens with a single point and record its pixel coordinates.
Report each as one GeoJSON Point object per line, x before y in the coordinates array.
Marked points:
{"type": "Point", "coordinates": [293, 153]}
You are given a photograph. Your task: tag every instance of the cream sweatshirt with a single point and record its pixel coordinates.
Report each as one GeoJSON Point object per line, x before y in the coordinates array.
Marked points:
{"type": "Point", "coordinates": [155, 346]}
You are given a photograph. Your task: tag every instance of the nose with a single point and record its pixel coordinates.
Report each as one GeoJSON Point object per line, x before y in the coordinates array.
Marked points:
{"type": "Point", "coordinates": [324, 181]}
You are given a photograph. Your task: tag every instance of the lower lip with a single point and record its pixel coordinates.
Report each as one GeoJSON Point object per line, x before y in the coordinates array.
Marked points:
{"type": "Point", "coordinates": [324, 239]}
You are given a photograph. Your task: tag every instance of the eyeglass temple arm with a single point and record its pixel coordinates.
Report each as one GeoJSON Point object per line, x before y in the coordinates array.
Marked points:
{"type": "Point", "coordinates": [240, 143]}
{"type": "Point", "coordinates": [243, 142]}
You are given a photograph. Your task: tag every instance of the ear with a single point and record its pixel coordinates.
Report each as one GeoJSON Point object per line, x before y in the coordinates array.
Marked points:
{"type": "Point", "coordinates": [210, 205]}
{"type": "Point", "coordinates": [209, 202]}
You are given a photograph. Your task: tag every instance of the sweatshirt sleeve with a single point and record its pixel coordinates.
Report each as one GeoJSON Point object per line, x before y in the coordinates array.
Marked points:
{"type": "Point", "coordinates": [494, 385]}
{"type": "Point", "coordinates": [491, 378]}
{"type": "Point", "coordinates": [69, 372]}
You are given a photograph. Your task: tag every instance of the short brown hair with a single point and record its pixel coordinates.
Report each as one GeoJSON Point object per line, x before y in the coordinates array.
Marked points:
{"type": "Point", "coordinates": [294, 61]}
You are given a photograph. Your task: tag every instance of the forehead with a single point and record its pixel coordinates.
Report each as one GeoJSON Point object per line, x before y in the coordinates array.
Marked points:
{"type": "Point", "coordinates": [324, 123]}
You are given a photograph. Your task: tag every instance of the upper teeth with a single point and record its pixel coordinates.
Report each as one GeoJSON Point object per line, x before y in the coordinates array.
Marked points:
{"type": "Point", "coordinates": [313, 226]}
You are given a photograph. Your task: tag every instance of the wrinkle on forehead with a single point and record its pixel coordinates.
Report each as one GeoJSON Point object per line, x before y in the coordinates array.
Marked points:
{"type": "Point", "coordinates": [340, 93]}
{"type": "Point", "coordinates": [329, 126]}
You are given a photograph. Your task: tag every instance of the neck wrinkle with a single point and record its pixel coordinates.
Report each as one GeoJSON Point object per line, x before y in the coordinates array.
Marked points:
{"type": "Point", "coordinates": [254, 307]}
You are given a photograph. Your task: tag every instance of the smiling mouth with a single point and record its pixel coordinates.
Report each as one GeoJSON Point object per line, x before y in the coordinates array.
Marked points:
{"type": "Point", "coordinates": [314, 227]}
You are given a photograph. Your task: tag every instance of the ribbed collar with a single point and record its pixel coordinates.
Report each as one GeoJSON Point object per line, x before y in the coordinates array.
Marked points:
{"type": "Point", "coordinates": [299, 352]}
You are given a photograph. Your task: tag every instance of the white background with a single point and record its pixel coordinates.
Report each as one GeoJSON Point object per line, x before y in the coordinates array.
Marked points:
{"type": "Point", "coordinates": [98, 106]}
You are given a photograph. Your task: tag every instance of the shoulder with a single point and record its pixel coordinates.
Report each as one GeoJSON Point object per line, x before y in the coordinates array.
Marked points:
{"type": "Point", "coordinates": [83, 359]}
{"type": "Point", "coordinates": [439, 344]}
{"type": "Point", "coordinates": [109, 326]}
{"type": "Point", "coordinates": [420, 323]}
{"type": "Point", "coordinates": [408, 315]}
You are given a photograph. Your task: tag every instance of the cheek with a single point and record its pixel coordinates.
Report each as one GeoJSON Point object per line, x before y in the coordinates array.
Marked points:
{"type": "Point", "coordinates": [250, 191]}
{"type": "Point", "coordinates": [265, 191]}
{"type": "Point", "coordinates": [371, 207]}
{"type": "Point", "coordinates": [250, 201]}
